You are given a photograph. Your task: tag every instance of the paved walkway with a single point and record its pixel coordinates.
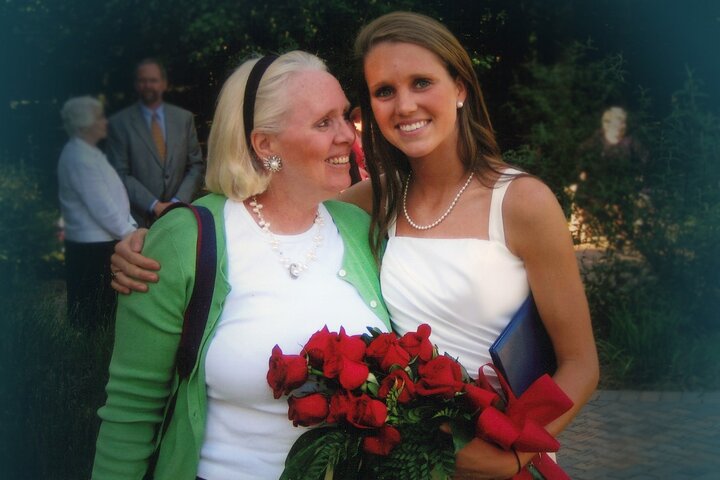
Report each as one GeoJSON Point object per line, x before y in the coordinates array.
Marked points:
{"type": "Point", "coordinates": [633, 435]}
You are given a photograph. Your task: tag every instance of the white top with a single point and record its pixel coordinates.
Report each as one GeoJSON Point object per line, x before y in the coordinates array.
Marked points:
{"type": "Point", "coordinates": [248, 434]}
{"type": "Point", "coordinates": [93, 199]}
{"type": "Point", "coordinates": [466, 289]}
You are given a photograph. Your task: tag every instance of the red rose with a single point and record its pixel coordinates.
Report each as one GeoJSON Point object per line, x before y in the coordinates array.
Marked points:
{"type": "Point", "coordinates": [440, 376]}
{"type": "Point", "coordinates": [417, 344]}
{"type": "Point", "coordinates": [365, 412]}
{"type": "Point", "coordinates": [286, 373]}
{"type": "Point", "coordinates": [339, 407]}
{"type": "Point", "coordinates": [480, 398]}
{"type": "Point", "coordinates": [386, 350]}
{"type": "Point", "coordinates": [317, 346]}
{"type": "Point", "coordinates": [309, 410]}
{"type": "Point", "coordinates": [398, 377]}
{"type": "Point", "coordinates": [343, 359]}
{"type": "Point", "coordinates": [352, 346]}
{"type": "Point", "coordinates": [350, 374]}
{"type": "Point", "coordinates": [382, 443]}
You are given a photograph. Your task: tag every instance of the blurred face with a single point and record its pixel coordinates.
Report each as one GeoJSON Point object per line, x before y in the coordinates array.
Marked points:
{"type": "Point", "coordinates": [316, 138]}
{"type": "Point", "coordinates": [414, 99]}
{"type": "Point", "coordinates": [614, 123]}
{"type": "Point", "coordinates": [98, 130]}
{"type": "Point", "coordinates": [150, 84]}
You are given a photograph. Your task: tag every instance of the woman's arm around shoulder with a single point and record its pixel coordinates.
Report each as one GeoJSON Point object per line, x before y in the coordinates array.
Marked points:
{"type": "Point", "coordinates": [360, 194]}
{"type": "Point", "coordinates": [536, 230]}
{"type": "Point", "coordinates": [132, 270]}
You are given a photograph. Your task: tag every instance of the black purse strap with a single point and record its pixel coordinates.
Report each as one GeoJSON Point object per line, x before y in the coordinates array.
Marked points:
{"type": "Point", "coordinates": [196, 314]}
{"type": "Point", "coordinates": [197, 311]}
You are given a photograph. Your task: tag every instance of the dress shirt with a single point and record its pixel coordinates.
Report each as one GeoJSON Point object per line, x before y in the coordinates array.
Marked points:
{"type": "Point", "coordinates": [148, 114]}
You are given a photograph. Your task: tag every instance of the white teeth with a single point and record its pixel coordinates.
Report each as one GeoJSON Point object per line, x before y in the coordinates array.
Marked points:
{"type": "Point", "coordinates": [338, 160]}
{"type": "Point", "coordinates": [413, 126]}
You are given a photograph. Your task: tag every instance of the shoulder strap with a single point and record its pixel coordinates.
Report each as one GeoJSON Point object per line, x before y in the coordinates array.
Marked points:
{"type": "Point", "coordinates": [496, 229]}
{"type": "Point", "coordinates": [196, 313]}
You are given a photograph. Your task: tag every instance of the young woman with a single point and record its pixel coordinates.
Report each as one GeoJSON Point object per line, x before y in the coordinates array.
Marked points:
{"type": "Point", "coordinates": [469, 237]}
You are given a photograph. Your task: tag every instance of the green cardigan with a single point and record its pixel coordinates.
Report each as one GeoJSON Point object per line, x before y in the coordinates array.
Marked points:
{"type": "Point", "coordinates": [148, 327]}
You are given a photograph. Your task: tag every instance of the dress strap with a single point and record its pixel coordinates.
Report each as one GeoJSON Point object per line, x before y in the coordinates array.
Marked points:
{"type": "Point", "coordinates": [392, 226]}
{"type": "Point", "coordinates": [496, 229]}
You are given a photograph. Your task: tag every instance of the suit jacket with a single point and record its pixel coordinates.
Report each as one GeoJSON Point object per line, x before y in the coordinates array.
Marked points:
{"type": "Point", "coordinates": [132, 152]}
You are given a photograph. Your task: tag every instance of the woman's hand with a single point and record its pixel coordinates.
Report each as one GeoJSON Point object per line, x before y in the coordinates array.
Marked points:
{"type": "Point", "coordinates": [482, 460]}
{"type": "Point", "coordinates": [131, 271]}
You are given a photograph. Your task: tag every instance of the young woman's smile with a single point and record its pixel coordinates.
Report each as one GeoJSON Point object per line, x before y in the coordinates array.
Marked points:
{"type": "Point", "coordinates": [414, 98]}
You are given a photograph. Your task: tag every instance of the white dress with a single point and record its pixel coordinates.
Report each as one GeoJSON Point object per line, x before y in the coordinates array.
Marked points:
{"type": "Point", "coordinates": [466, 289]}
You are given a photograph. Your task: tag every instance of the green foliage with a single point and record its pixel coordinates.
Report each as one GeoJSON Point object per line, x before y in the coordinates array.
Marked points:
{"type": "Point", "coordinates": [682, 227]}
{"type": "Point", "coordinates": [653, 213]}
{"type": "Point", "coordinates": [314, 452]}
{"type": "Point", "coordinates": [646, 340]}
{"type": "Point", "coordinates": [424, 453]}
{"type": "Point", "coordinates": [28, 230]}
{"type": "Point", "coordinates": [53, 378]}
{"type": "Point", "coordinates": [555, 108]}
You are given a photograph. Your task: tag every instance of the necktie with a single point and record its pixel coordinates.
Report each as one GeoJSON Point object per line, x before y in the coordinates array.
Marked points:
{"type": "Point", "coordinates": [157, 135]}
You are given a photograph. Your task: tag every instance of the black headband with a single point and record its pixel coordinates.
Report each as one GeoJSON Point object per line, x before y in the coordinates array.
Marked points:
{"type": "Point", "coordinates": [251, 87]}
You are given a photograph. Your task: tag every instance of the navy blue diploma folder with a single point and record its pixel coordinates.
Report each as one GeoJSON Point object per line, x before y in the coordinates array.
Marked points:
{"type": "Point", "coordinates": [523, 351]}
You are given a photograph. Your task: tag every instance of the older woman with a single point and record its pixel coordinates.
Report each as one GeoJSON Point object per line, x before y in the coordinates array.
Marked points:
{"type": "Point", "coordinates": [287, 265]}
{"type": "Point", "coordinates": [95, 209]}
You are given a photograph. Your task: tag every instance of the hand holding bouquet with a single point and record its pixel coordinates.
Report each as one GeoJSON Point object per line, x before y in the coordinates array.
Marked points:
{"type": "Point", "coordinates": [378, 401]}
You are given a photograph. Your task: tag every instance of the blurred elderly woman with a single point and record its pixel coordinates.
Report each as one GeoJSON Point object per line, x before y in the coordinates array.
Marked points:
{"type": "Point", "coordinates": [288, 263]}
{"type": "Point", "coordinates": [96, 212]}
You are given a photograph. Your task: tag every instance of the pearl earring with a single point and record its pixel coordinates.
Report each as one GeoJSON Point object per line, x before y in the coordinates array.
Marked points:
{"type": "Point", "coordinates": [459, 104]}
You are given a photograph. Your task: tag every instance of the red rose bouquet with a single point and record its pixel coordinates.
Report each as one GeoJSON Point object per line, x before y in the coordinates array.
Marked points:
{"type": "Point", "coordinates": [378, 401]}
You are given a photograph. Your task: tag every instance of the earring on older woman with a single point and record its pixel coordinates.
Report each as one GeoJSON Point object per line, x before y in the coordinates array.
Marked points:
{"type": "Point", "coordinates": [459, 104]}
{"type": "Point", "coordinates": [273, 163]}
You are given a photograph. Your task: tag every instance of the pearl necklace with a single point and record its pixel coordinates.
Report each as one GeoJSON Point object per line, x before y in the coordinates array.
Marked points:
{"type": "Point", "coordinates": [293, 268]}
{"type": "Point", "coordinates": [442, 217]}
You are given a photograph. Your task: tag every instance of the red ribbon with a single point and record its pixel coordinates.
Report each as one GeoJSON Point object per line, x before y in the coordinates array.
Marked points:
{"type": "Point", "coordinates": [521, 426]}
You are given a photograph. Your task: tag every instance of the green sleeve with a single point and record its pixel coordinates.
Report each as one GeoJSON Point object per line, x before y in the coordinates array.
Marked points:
{"type": "Point", "coordinates": [142, 369]}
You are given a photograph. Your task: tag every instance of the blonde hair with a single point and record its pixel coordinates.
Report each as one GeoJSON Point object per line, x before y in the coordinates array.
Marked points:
{"type": "Point", "coordinates": [79, 113]}
{"type": "Point", "coordinates": [232, 168]}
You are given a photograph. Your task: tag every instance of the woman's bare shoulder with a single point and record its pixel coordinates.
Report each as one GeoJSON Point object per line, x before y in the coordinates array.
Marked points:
{"type": "Point", "coordinates": [360, 194]}
{"type": "Point", "coordinates": [528, 196]}
{"type": "Point", "coordinates": [531, 211]}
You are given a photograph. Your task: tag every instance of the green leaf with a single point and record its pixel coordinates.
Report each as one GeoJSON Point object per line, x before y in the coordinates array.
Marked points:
{"type": "Point", "coordinates": [313, 452]}
{"type": "Point", "coordinates": [463, 431]}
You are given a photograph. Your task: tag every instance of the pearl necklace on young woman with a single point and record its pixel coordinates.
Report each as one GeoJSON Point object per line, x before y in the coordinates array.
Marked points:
{"type": "Point", "coordinates": [442, 217]}
{"type": "Point", "coordinates": [294, 268]}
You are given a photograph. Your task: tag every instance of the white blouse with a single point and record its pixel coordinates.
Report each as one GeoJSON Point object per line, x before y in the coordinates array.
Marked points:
{"type": "Point", "coordinates": [93, 200]}
{"type": "Point", "coordinates": [248, 434]}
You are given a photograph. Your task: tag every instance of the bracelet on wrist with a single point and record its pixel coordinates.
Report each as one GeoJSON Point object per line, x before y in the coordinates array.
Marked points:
{"type": "Point", "coordinates": [517, 458]}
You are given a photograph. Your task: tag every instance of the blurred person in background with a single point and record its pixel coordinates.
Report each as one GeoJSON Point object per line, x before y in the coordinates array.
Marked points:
{"type": "Point", "coordinates": [95, 211]}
